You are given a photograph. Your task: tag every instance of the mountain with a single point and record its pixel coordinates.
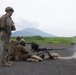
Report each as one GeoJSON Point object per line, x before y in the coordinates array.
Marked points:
{"type": "Point", "coordinates": [32, 32]}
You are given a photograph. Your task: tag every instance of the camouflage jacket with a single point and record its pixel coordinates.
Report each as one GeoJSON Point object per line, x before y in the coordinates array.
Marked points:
{"type": "Point", "coordinates": [7, 24]}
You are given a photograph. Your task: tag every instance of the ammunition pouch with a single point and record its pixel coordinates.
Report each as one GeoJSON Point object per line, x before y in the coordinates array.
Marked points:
{"type": "Point", "coordinates": [13, 28]}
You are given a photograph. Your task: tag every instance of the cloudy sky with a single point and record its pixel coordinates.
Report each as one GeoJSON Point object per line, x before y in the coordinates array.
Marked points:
{"type": "Point", "coordinates": [57, 17]}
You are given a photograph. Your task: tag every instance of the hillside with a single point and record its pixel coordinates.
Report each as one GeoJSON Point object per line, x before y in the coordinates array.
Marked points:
{"type": "Point", "coordinates": [32, 32]}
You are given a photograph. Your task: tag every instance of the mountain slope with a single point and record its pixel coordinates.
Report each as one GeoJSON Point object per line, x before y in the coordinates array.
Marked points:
{"type": "Point", "coordinates": [32, 32]}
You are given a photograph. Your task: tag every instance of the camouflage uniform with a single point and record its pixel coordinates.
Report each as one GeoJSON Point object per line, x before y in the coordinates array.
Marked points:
{"type": "Point", "coordinates": [21, 41]}
{"type": "Point", "coordinates": [18, 52]}
{"type": "Point", "coordinates": [7, 26]}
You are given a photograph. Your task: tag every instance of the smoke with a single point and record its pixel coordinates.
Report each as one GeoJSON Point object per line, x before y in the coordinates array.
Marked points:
{"type": "Point", "coordinates": [67, 58]}
{"type": "Point", "coordinates": [74, 49]}
{"type": "Point", "coordinates": [73, 56]}
{"type": "Point", "coordinates": [74, 52]}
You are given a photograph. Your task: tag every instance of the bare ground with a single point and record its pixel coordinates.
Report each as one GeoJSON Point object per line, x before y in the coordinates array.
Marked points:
{"type": "Point", "coordinates": [47, 67]}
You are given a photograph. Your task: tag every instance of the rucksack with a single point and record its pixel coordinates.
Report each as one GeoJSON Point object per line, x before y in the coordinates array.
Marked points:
{"type": "Point", "coordinates": [1, 24]}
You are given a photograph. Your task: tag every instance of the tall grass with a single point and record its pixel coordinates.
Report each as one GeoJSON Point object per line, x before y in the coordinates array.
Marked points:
{"type": "Point", "coordinates": [50, 40]}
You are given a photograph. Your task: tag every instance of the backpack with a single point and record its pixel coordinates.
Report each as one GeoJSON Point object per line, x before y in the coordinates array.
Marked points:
{"type": "Point", "coordinates": [1, 24]}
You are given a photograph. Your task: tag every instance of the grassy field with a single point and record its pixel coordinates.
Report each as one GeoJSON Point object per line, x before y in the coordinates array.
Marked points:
{"type": "Point", "coordinates": [50, 40]}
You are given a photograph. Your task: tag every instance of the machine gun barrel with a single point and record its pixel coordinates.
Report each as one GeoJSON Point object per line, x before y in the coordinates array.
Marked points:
{"type": "Point", "coordinates": [48, 49]}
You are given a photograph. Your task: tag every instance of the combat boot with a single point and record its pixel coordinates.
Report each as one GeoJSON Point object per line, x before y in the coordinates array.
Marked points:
{"type": "Point", "coordinates": [37, 57]}
{"type": "Point", "coordinates": [5, 64]}
{"type": "Point", "coordinates": [9, 62]}
{"type": "Point", "coordinates": [31, 60]}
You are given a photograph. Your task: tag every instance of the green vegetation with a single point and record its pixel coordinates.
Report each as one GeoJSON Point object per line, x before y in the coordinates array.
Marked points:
{"type": "Point", "coordinates": [50, 40]}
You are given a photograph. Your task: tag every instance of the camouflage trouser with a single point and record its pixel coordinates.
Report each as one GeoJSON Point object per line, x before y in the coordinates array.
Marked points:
{"type": "Point", "coordinates": [25, 56]}
{"type": "Point", "coordinates": [6, 46]}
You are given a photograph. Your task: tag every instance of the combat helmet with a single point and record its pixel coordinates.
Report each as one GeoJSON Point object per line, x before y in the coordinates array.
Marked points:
{"type": "Point", "coordinates": [18, 38]}
{"type": "Point", "coordinates": [9, 9]}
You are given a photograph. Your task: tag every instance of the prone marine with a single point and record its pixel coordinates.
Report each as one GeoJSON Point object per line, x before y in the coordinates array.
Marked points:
{"type": "Point", "coordinates": [18, 52]}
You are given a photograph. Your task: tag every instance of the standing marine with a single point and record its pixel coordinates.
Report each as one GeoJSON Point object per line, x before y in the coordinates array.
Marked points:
{"type": "Point", "coordinates": [7, 26]}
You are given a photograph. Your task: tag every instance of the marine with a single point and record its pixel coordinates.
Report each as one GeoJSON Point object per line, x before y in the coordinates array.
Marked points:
{"type": "Point", "coordinates": [18, 52]}
{"type": "Point", "coordinates": [21, 41]}
{"type": "Point", "coordinates": [6, 26]}
{"type": "Point", "coordinates": [51, 55]}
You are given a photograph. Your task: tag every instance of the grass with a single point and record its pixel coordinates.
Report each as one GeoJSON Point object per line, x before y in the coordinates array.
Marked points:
{"type": "Point", "coordinates": [50, 40]}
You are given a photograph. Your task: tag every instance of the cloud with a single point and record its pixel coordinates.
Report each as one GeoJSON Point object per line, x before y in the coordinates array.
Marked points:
{"type": "Point", "coordinates": [21, 23]}
{"type": "Point", "coordinates": [56, 17]}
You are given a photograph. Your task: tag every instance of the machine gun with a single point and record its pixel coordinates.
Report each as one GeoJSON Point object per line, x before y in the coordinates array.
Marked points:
{"type": "Point", "coordinates": [35, 48]}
